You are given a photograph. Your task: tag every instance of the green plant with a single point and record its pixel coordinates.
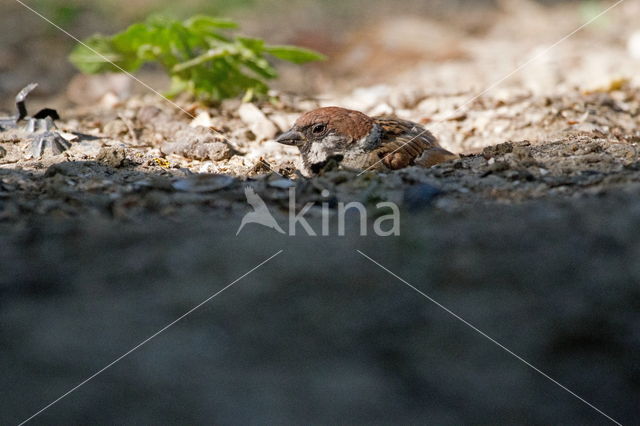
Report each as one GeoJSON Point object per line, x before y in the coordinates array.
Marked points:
{"type": "Point", "coordinates": [197, 54]}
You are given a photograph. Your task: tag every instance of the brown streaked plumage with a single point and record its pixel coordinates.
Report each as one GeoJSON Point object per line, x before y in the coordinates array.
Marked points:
{"type": "Point", "coordinates": [358, 141]}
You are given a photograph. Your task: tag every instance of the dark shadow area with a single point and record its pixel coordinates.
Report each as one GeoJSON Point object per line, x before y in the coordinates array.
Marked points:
{"type": "Point", "coordinates": [319, 333]}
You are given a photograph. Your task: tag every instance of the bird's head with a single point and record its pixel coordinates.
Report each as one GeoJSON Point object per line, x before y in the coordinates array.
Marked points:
{"type": "Point", "coordinates": [331, 133]}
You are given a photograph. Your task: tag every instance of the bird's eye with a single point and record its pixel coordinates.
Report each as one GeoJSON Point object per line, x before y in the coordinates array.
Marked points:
{"type": "Point", "coordinates": [318, 129]}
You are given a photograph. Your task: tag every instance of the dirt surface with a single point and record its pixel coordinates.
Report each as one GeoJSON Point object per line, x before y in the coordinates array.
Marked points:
{"type": "Point", "coordinates": [530, 236]}
{"type": "Point", "coordinates": [145, 159]}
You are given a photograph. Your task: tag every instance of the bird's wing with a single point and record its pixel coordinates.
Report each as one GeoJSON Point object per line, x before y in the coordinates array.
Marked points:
{"type": "Point", "coordinates": [404, 142]}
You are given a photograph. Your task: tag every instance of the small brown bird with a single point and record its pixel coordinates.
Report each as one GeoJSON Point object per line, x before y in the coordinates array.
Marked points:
{"type": "Point", "coordinates": [358, 141]}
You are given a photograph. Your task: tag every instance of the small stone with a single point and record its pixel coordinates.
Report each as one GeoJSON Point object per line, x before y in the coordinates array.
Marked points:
{"type": "Point", "coordinates": [112, 156]}
{"type": "Point", "coordinates": [68, 136]}
{"type": "Point", "coordinates": [258, 122]}
{"type": "Point", "coordinates": [203, 119]}
{"type": "Point", "coordinates": [282, 183]}
{"type": "Point", "coordinates": [381, 109]}
{"type": "Point", "coordinates": [203, 183]}
{"type": "Point", "coordinates": [215, 150]}
{"type": "Point", "coordinates": [498, 166]}
{"type": "Point", "coordinates": [115, 128]}
{"type": "Point", "coordinates": [283, 121]}
{"type": "Point", "coordinates": [3, 152]}
{"type": "Point", "coordinates": [633, 45]}
{"type": "Point", "coordinates": [421, 195]}
{"type": "Point", "coordinates": [497, 150]}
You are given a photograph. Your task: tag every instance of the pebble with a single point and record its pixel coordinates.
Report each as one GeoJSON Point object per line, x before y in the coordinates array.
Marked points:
{"type": "Point", "coordinates": [282, 183]}
{"type": "Point", "coordinates": [421, 195]}
{"type": "Point", "coordinates": [203, 119]}
{"type": "Point", "coordinates": [115, 128]}
{"type": "Point", "coordinates": [214, 150]}
{"type": "Point", "coordinates": [258, 122]}
{"type": "Point", "coordinates": [633, 45]}
{"type": "Point", "coordinates": [203, 183]}
{"type": "Point", "coordinates": [112, 156]}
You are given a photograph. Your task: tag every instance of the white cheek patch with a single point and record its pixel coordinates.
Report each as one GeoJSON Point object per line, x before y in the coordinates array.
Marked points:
{"type": "Point", "coordinates": [321, 151]}
{"type": "Point", "coordinates": [332, 142]}
{"type": "Point", "coordinates": [318, 153]}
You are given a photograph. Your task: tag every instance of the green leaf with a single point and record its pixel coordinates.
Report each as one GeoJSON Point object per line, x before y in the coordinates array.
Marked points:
{"type": "Point", "coordinates": [208, 23]}
{"type": "Point", "coordinates": [133, 37]}
{"type": "Point", "coordinates": [198, 54]}
{"type": "Point", "coordinates": [297, 55]}
{"type": "Point", "coordinates": [255, 44]}
{"type": "Point", "coordinates": [210, 55]}
{"type": "Point", "coordinates": [98, 54]}
{"type": "Point", "coordinates": [261, 68]}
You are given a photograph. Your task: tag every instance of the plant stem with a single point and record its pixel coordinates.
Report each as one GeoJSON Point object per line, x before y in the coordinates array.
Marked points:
{"type": "Point", "coordinates": [205, 57]}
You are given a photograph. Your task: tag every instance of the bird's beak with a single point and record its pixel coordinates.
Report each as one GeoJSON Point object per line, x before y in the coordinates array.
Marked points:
{"type": "Point", "coordinates": [292, 137]}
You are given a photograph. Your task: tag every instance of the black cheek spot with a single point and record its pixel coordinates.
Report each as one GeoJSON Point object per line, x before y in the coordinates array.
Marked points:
{"type": "Point", "coordinates": [331, 162]}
